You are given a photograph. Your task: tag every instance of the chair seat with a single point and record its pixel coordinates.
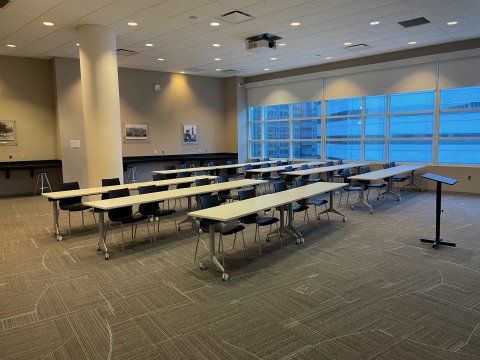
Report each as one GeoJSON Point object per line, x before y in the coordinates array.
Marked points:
{"type": "Point", "coordinates": [131, 219]}
{"type": "Point", "coordinates": [314, 180]}
{"type": "Point", "coordinates": [377, 185]}
{"type": "Point", "coordinates": [318, 202]}
{"type": "Point", "coordinates": [227, 197]}
{"type": "Point", "coordinates": [275, 177]}
{"type": "Point", "coordinates": [75, 207]}
{"type": "Point", "coordinates": [352, 188]}
{"type": "Point", "coordinates": [249, 219]}
{"type": "Point", "coordinates": [266, 220]}
{"type": "Point", "coordinates": [228, 229]}
{"type": "Point", "coordinates": [299, 208]}
{"type": "Point", "coordinates": [161, 212]}
{"type": "Point", "coordinates": [400, 178]}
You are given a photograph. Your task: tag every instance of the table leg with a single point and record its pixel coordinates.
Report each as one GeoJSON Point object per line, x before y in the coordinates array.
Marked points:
{"type": "Point", "coordinates": [331, 209]}
{"type": "Point", "coordinates": [56, 225]}
{"type": "Point", "coordinates": [188, 219]}
{"type": "Point", "coordinates": [413, 184]}
{"type": "Point", "coordinates": [211, 254]}
{"type": "Point", "coordinates": [102, 234]}
{"type": "Point", "coordinates": [291, 227]}
{"type": "Point", "coordinates": [285, 229]}
{"type": "Point", "coordinates": [390, 189]}
{"type": "Point", "coordinates": [361, 200]}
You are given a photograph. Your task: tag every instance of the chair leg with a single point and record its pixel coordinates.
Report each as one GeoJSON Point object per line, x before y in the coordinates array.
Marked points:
{"type": "Point", "coordinates": [340, 200]}
{"type": "Point", "coordinates": [328, 216]}
{"type": "Point", "coordinates": [348, 195]}
{"type": "Point", "coordinates": [175, 221]}
{"type": "Point", "coordinates": [223, 256]}
{"type": "Point", "coordinates": [279, 235]}
{"type": "Point", "coordinates": [257, 230]}
{"type": "Point", "coordinates": [196, 247]}
{"type": "Point", "coordinates": [123, 249]}
{"type": "Point", "coordinates": [83, 220]}
{"type": "Point", "coordinates": [94, 217]}
{"type": "Point", "coordinates": [69, 223]}
{"type": "Point", "coordinates": [244, 245]}
{"type": "Point", "coordinates": [308, 220]}
{"type": "Point", "coordinates": [234, 238]}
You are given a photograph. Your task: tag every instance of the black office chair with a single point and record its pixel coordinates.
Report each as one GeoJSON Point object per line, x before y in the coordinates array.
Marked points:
{"type": "Point", "coordinates": [257, 219]}
{"type": "Point", "coordinates": [248, 175]}
{"type": "Point", "coordinates": [370, 185]}
{"type": "Point", "coordinates": [225, 195]}
{"type": "Point", "coordinates": [297, 208]}
{"type": "Point", "coordinates": [183, 174]}
{"type": "Point", "coordinates": [288, 179]}
{"type": "Point", "coordinates": [222, 228]}
{"type": "Point", "coordinates": [202, 182]}
{"type": "Point", "coordinates": [72, 204]}
{"type": "Point", "coordinates": [158, 177]}
{"type": "Point", "coordinates": [109, 182]}
{"type": "Point", "coordinates": [339, 174]}
{"type": "Point", "coordinates": [315, 201]}
{"type": "Point", "coordinates": [152, 209]}
{"type": "Point", "coordinates": [124, 215]}
{"type": "Point", "coordinates": [170, 167]}
{"type": "Point", "coordinates": [349, 188]}
{"type": "Point", "coordinates": [232, 172]}
{"type": "Point", "coordinates": [181, 186]}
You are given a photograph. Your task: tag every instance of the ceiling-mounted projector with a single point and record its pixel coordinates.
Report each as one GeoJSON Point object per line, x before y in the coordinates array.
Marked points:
{"type": "Point", "coordinates": [262, 43]}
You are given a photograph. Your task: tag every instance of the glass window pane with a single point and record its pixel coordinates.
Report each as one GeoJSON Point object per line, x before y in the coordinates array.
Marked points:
{"type": "Point", "coordinates": [277, 149]}
{"type": "Point", "coordinates": [307, 109]}
{"type": "Point", "coordinates": [459, 152]}
{"type": "Point", "coordinates": [374, 151]}
{"type": "Point", "coordinates": [342, 107]}
{"type": "Point", "coordinates": [374, 127]}
{"type": "Point", "coordinates": [276, 112]}
{"type": "Point", "coordinates": [307, 129]}
{"type": "Point", "coordinates": [462, 98]}
{"type": "Point", "coordinates": [255, 130]}
{"type": "Point", "coordinates": [375, 104]}
{"type": "Point", "coordinates": [415, 125]}
{"type": "Point", "coordinates": [416, 101]}
{"type": "Point", "coordinates": [306, 149]}
{"type": "Point", "coordinates": [276, 130]}
{"type": "Point", "coordinates": [255, 113]}
{"type": "Point", "coordinates": [255, 150]}
{"type": "Point", "coordinates": [349, 127]}
{"type": "Point", "coordinates": [349, 150]}
{"type": "Point", "coordinates": [410, 151]}
{"type": "Point", "coordinates": [465, 123]}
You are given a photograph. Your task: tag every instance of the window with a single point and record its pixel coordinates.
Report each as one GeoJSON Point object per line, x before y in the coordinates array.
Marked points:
{"type": "Point", "coordinates": [306, 149]}
{"type": "Point", "coordinates": [459, 127]}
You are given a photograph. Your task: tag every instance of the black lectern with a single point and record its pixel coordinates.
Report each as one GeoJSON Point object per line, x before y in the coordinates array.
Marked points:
{"type": "Point", "coordinates": [440, 180]}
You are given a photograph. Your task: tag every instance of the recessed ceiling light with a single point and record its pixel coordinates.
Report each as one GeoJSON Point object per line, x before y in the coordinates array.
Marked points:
{"type": "Point", "coordinates": [266, 69]}
{"type": "Point", "coordinates": [48, 23]}
{"type": "Point", "coordinates": [412, 42]}
{"type": "Point", "coordinates": [193, 17]}
{"type": "Point", "coordinates": [282, 44]}
{"type": "Point", "coordinates": [214, 23]}
{"type": "Point", "coordinates": [216, 45]}
{"type": "Point", "coordinates": [273, 58]}
{"type": "Point", "coordinates": [452, 23]}
{"type": "Point", "coordinates": [348, 43]}
{"type": "Point", "coordinates": [296, 23]}
{"type": "Point", "coordinates": [161, 59]}
{"type": "Point", "coordinates": [218, 69]}
{"type": "Point", "coordinates": [373, 23]}
{"type": "Point", "coordinates": [77, 44]}
{"type": "Point", "coordinates": [11, 46]}
{"type": "Point", "coordinates": [149, 45]}
{"type": "Point", "coordinates": [132, 23]}
{"type": "Point", "coordinates": [217, 59]}
{"type": "Point", "coordinates": [328, 58]}
{"type": "Point", "coordinates": [182, 72]}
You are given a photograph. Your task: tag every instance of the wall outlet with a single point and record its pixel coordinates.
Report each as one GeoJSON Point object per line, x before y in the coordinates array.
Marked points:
{"type": "Point", "coordinates": [469, 177]}
{"type": "Point", "coordinates": [163, 151]}
{"type": "Point", "coordinates": [10, 156]}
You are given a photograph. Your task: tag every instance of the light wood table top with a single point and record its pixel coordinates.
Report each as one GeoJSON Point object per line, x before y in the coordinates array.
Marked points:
{"type": "Point", "coordinates": [324, 169]}
{"type": "Point", "coordinates": [386, 173]}
{"type": "Point", "coordinates": [281, 168]}
{"type": "Point", "coordinates": [210, 168]}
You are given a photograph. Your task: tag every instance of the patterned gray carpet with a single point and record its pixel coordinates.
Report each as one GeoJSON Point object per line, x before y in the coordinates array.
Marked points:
{"type": "Point", "coordinates": [364, 289]}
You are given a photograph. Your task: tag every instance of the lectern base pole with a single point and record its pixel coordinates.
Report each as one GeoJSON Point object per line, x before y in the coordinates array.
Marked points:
{"type": "Point", "coordinates": [438, 242]}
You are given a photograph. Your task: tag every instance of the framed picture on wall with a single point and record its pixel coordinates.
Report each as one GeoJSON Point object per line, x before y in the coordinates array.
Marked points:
{"type": "Point", "coordinates": [189, 134]}
{"type": "Point", "coordinates": [135, 131]}
{"type": "Point", "coordinates": [8, 132]}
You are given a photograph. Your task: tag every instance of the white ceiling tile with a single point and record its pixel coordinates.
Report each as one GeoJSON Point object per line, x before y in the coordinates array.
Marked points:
{"type": "Point", "coordinates": [176, 7]}
{"type": "Point", "coordinates": [110, 14]}
{"type": "Point", "coordinates": [143, 4]}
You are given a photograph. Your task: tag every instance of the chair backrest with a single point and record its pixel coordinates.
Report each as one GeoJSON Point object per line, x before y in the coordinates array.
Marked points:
{"type": "Point", "coordinates": [305, 167]}
{"type": "Point", "coordinates": [266, 165]}
{"type": "Point", "coordinates": [329, 163]}
{"type": "Point", "coordinates": [300, 182]}
{"type": "Point", "coordinates": [119, 213]}
{"type": "Point", "coordinates": [183, 166]}
{"type": "Point", "coordinates": [392, 164]}
{"type": "Point", "coordinates": [246, 194]}
{"type": "Point", "coordinates": [248, 175]}
{"type": "Point", "coordinates": [266, 159]}
{"type": "Point", "coordinates": [340, 162]}
{"type": "Point", "coordinates": [110, 182]}
{"type": "Point", "coordinates": [230, 162]}
{"type": "Point", "coordinates": [158, 177]}
{"type": "Point", "coordinates": [184, 185]}
{"type": "Point", "coordinates": [202, 182]}
{"type": "Point", "coordinates": [279, 163]}
{"type": "Point", "coordinates": [386, 165]}
{"type": "Point", "coordinates": [70, 200]}
{"type": "Point", "coordinates": [255, 160]}
{"type": "Point", "coordinates": [222, 179]}
{"type": "Point", "coordinates": [151, 206]}
{"type": "Point", "coordinates": [346, 174]}
{"type": "Point", "coordinates": [280, 186]}
{"type": "Point", "coordinates": [364, 169]}
{"type": "Point", "coordinates": [208, 201]}
{"type": "Point", "coordinates": [183, 174]}
{"type": "Point", "coordinates": [162, 187]}
{"type": "Point", "coordinates": [288, 168]}
{"type": "Point", "coordinates": [169, 167]}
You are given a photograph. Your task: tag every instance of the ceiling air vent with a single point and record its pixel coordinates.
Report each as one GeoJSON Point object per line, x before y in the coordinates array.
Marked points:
{"type": "Point", "coordinates": [414, 22]}
{"type": "Point", "coordinates": [357, 47]}
{"type": "Point", "coordinates": [3, 3]}
{"type": "Point", "coordinates": [236, 17]}
{"type": "Point", "coordinates": [125, 52]}
{"type": "Point", "coordinates": [230, 71]}
{"type": "Point", "coordinates": [194, 69]}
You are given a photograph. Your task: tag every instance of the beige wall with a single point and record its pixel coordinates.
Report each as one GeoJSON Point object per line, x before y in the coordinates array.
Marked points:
{"type": "Point", "coordinates": [182, 100]}
{"type": "Point", "coordinates": [27, 96]}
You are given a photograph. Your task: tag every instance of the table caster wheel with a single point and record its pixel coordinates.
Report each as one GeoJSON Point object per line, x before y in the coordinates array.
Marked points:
{"type": "Point", "coordinates": [398, 199]}
{"type": "Point", "coordinates": [302, 240]}
{"type": "Point", "coordinates": [107, 256]}
{"type": "Point", "coordinates": [151, 219]}
{"type": "Point", "coordinates": [371, 211]}
{"type": "Point", "coordinates": [203, 265]}
{"type": "Point", "coordinates": [179, 228]}
{"type": "Point", "coordinates": [224, 276]}
{"type": "Point", "coordinates": [344, 219]}
{"type": "Point", "coordinates": [353, 207]}
{"type": "Point", "coordinates": [298, 241]}
{"type": "Point", "coordinates": [378, 198]}
{"type": "Point", "coordinates": [59, 237]}
{"type": "Point", "coordinates": [98, 247]}
{"type": "Point", "coordinates": [157, 219]}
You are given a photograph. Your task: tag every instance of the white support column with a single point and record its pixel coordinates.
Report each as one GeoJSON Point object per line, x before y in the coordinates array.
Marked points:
{"type": "Point", "coordinates": [101, 103]}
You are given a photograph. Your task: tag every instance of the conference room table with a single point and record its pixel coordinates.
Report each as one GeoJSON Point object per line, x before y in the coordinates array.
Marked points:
{"type": "Point", "coordinates": [282, 167]}
{"type": "Point", "coordinates": [56, 196]}
{"type": "Point", "coordinates": [109, 204]}
{"type": "Point", "coordinates": [212, 168]}
{"type": "Point", "coordinates": [237, 209]}
{"type": "Point", "coordinates": [329, 170]}
{"type": "Point", "coordinates": [388, 174]}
